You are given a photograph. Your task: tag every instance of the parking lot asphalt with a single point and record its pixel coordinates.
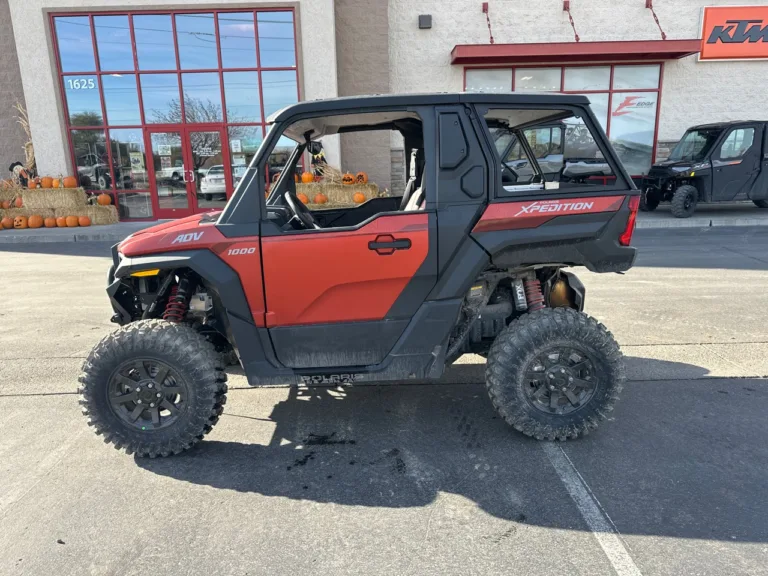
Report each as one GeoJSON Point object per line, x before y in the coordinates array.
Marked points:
{"type": "Point", "coordinates": [406, 478]}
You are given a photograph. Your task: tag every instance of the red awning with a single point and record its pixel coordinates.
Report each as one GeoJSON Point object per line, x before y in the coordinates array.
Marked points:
{"type": "Point", "coordinates": [574, 51]}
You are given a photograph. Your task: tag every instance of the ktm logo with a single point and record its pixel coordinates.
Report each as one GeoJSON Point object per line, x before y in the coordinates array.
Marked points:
{"type": "Point", "coordinates": [631, 102]}
{"type": "Point", "coordinates": [739, 32]}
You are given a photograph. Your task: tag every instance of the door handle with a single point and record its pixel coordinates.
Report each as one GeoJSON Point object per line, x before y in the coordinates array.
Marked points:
{"type": "Point", "coordinates": [386, 244]}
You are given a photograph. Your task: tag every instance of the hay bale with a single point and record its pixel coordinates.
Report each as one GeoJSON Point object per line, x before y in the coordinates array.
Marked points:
{"type": "Point", "coordinates": [338, 194]}
{"type": "Point", "coordinates": [99, 215]}
{"type": "Point", "coordinates": [13, 212]}
{"type": "Point", "coordinates": [9, 193]}
{"type": "Point", "coordinates": [57, 198]}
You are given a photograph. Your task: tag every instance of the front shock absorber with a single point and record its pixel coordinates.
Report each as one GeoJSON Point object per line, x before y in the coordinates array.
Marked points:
{"type": "Point", "coordinates": [533, 294]}
{"type": "Point", "coordinates": [178, 301]}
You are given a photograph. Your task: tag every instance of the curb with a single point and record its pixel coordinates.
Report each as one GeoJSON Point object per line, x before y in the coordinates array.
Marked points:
{"type": "Point", "coordinates": [673, 222]}
{"type": "Point", "coordinates": [44, 239]}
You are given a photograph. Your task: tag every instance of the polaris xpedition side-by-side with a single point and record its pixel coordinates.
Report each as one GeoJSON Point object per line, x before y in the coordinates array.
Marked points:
{"type": "Point", "coordinates": [712, 163]}
{"type": "Point", "coordinates": [472, 258]}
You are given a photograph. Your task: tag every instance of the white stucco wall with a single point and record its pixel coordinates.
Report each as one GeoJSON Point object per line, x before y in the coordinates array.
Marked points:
{"type": "Point", "coordinates": [30, 21]}
{"type": "Point", "coordinates": [693, 92]}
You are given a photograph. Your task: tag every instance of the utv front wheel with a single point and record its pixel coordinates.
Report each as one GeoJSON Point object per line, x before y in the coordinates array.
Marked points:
{"type": "Point", "coordinates": [648, 203]}
{"type": "Point", "coordinates": [684, 201]}
{"type": "Point", "coordinates": [554, 374]}
{"type": "Point", "coordinates": [153, 387]}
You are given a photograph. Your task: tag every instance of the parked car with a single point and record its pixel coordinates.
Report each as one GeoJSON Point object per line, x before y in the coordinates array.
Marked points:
{"type": "Point", "coordinates": [213, 183]}
{"type": "Point", "coordinates": [712, 163]}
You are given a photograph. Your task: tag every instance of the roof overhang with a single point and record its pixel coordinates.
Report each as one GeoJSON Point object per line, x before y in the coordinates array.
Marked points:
{"type": "Point", "coordinates": [624, 50]}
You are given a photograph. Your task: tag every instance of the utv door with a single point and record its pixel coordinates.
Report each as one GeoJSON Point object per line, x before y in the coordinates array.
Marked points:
{"type": "Point", "coordinates": [736, 162]}
{"type": "Point", "coordinates": [760, 186]}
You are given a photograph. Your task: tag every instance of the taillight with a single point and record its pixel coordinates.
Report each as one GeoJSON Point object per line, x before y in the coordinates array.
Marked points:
{"type": "Point", "coordinates": [626, 237]}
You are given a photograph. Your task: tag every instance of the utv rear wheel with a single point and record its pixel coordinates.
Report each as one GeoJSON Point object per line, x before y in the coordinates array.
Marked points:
{"type": "Point", "coordinates": [153, 387]}
{"type": "Point", "coordinates": [761, 203]}
{"type": "Point", "coordinates": [648, 203]}
{"type": "Point", "coordinates": [554, 374]}
{"type": "Point", "coordinates": [684, 201]}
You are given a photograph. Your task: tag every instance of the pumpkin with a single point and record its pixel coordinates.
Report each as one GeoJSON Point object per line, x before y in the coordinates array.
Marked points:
{"type": "Point", "coordinates": [46, 182]}
{"type": "Point", "coordinates": [61, 222]}
{"type": "Point", "coordinates": [84, 221]}
{"type": "Point", "coordinates": [35, 221]}
{"type": "Point", "coordinates": [296, 178]}
{"type": "Point", "coordinates": [320, 198]}
{"type": "Point", "coordinates": [71, 221]}
{"type": "Point", "coordinates": [307, 177]}
{"type": "Point", "coordinates": [5, 204]}
{"type": "Point", "coordinates": [358, 198]}
{"type": "Point", "coordinates": [56, 183]}
{"type": "Point", "coordinates": [302, 198]}
{"type": "Point", "coordinates": [70, 182]}
{"type": "Point", "coordinates": [361, 178]}
{"type": "Point", "coordinates": [50, 222]}
{"type": "Point", "coordinates": [348, 179]}
{"type": "Point", "coordinates": [7, 222]}
{"type": "Point", "coordinates": [18, 202]}
{"type": "Point", "coordinates": [32, 183]}
{"type": "Point", "coordinates": [275, 177]}
{"type": "Point", "coordinates": [104, 199]}
{"type": "Point", "coordinates": [20, 222]}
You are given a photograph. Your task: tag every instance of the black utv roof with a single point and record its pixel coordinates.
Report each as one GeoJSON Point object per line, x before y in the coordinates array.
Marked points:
{"type": "Point", "coordinates": [723, 125]}
{"type": "Point", "coordinates": [348, 103]}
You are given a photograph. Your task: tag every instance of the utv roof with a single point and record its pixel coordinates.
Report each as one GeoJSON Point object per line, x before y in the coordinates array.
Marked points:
{"type": "Point", "coordinates": [721, 125]}
{"type": "Point", "coordinates": [349, 103]}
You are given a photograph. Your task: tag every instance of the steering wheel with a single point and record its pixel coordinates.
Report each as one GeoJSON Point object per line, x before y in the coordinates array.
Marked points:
{"type": "Point", "coordinates": [300, 211]}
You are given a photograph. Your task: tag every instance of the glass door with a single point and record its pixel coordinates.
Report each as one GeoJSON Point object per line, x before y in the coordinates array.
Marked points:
{"type": "Point", "coordinates": [188, 170]}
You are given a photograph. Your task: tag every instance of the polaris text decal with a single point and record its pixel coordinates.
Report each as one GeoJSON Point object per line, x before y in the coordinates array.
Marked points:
{"type": "Point", "coordinates": [191, 237]}
{"type": "Point", "coordinates": [331, 379]}
{"type": "Point", "coordinates": [555, 206]}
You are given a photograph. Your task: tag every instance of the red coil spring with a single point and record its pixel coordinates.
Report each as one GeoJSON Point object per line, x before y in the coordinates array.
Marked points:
{"type": "Point", "coordinates": [534, 295]}
{"type": "Point", "coordinates": [176, 308]}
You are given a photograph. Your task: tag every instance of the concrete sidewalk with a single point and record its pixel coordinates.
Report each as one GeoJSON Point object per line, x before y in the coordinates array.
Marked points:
{"type": "Point", "coordinates": [706, 216]}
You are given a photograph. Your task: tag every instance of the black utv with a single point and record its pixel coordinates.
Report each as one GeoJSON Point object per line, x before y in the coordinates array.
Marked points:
{"type": "Point", "coordinates": [722, 162]}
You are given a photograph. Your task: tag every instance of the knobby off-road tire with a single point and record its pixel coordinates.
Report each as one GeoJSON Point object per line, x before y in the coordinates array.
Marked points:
{"type": "Point", "coordinates": [761, 203]}
{"type": "Point", "coordinates": [648, 204]}
{"type": "Point", "coordinates": [140, 362]}
{"type": "Point", "coordinates": [585, 352]}
{"type": "Point", "coordinates": [684, 201]}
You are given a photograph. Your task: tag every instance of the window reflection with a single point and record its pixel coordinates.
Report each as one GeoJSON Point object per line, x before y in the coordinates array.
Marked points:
{"type": "Point", "coordinates": [134, 205]}
{"type": "Point", "coordinates": [238, 40]}
{"type": "Point", "coordinates": [92, 161]}
{"type": "Point", "coordinates": [73, 34]}
{"type": "Point", "coordinates": [279, 90]}
{"type": "Point", "coordinates": [121, 99]}
{"type": "Point", "coordinates": [160, 95]}
{"type": "Point", "coordinates": [129, 159]}
{"type": "Point", "coordinates": [113, 41]}
{"type": "Point", "coordinates": [277, 48]}
{"type": "Point", "coordinates": [202, 97]}
{"type": "Point", "coordinates": [633, 123]}
{"type": "Point", "coordinates": [244, 141]}
{"type": "Point", "coordinates": [83, 102]}
{"type": "Point", "coordinates": [154, 42]}
{"type": "Point", "coordinates": [197, 41]}
{"type": "Point", "coordinates": [241, 92]}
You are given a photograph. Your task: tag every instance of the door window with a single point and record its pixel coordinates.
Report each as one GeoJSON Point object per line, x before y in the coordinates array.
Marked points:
{"type": "Point", "coordinates": [737, 144]}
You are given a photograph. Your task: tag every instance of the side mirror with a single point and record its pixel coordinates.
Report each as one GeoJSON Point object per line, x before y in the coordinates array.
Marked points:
{"type": "Point", "coordinates": [314, 147]}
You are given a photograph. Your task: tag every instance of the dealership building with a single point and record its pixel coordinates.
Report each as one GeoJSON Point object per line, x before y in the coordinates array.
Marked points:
{"type": "Point", "coordinates": [139, 98]}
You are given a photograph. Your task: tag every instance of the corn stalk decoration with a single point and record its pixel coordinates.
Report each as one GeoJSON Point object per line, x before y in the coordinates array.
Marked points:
{"type": "Point", "coordinates": [29, 149]}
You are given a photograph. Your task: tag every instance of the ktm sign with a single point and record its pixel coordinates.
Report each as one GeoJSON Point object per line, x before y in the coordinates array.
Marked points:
{"type": "Point", "coordinates": [734, 33]}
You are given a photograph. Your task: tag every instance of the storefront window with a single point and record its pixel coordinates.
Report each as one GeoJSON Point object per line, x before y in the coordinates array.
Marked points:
{"type": "Point", "coordinates": [113, 40]}
{"type": "Point", "coordinates": [492, 80]}
{"type": "Point", "coordinates": [626, 108]}
{"type": "Point", "coordinates": [537, 79]}
{"type": "Point", "coordinates": [633, 125]}
{"type": "Point", "coordinates": [122, 73]}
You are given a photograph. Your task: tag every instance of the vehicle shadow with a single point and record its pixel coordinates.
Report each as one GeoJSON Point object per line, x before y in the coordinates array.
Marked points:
{"type": "Point", "coordinates": [402, 446]}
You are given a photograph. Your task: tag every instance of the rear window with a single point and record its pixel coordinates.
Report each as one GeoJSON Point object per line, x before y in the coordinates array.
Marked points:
{"type": "Point", "coordinates": [546, 150]}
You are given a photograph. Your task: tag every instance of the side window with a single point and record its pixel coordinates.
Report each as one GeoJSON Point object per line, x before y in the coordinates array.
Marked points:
{"type": "Point", "coordinates": [737, 144]}
{"type": "Point", "coordinates": [565, 152]}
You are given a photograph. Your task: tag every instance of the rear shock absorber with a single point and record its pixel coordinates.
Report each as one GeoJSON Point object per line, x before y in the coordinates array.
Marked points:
{"type": "Point", "coordinates": [178, 299]}
{"type": "Point", "coordinates": [533, 294]}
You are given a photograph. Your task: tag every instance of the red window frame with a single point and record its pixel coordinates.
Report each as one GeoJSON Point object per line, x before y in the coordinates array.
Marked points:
{"type": "Point", "coordinates": [611, 91]}
{"type": "Point", "coordinates": [137, 72]}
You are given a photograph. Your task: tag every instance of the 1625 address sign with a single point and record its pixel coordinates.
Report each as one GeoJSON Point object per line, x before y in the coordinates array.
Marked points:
{"type": "Point", "coordinates": [81, 83]}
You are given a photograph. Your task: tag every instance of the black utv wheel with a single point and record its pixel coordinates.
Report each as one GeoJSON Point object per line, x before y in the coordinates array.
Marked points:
{"type": "Point", "coordinates": [684, 201]}
{"type": "Point", "coordinates": [153, 387]}
{"type": "Point", "coordinates": [554, 374]}
{"type": "Point", "coordinates": [648, 203]}
{"type": "Point", "coordinates": [761, 203]}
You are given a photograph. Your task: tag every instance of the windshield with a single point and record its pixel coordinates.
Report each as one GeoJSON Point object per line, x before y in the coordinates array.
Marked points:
{"type": "Point", "coordinates": [695, 145]}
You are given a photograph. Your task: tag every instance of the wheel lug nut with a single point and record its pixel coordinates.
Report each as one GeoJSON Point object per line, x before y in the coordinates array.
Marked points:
{"type": "Point", "coordinates": [138, 401]}
{"type": "Point", "coordinates": [152, 405]}
{"type": "Point", "coordinates": [562, 371]}
{"type": "Point", "coordinates": [158, 394]}
{"type": "Point", "coordinates": [551, 375]}
{"type": "Point", "coordinates": [551, 387]}
{"type": "Point", "coordinates": [138, 389]}
{"type": "Point", "coordinates": [570, 379]}
{"type": "Point", "coordinates": [149, 385]}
